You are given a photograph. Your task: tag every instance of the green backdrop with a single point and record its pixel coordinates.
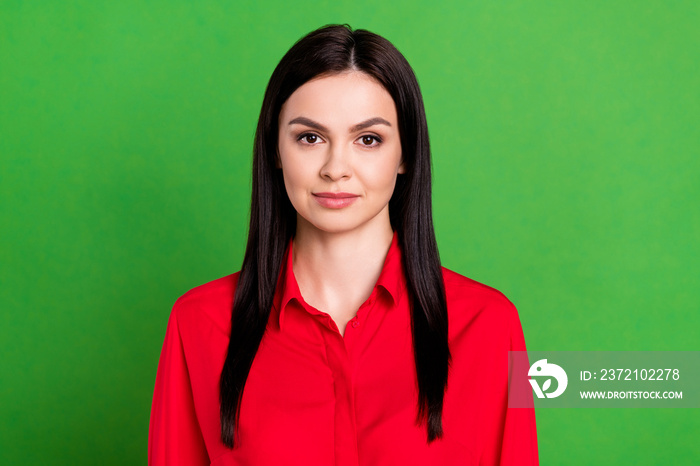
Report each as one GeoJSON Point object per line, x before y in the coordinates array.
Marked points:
{"type": "Point", "coordinates": [565, 142]}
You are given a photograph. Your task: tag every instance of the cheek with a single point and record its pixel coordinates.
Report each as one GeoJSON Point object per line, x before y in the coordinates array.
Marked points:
{"type": "Point", "coordinates": [381, 179]}
{"type": "Point", "coordinates": [296, 178]}
{"type": "Point", "coordinates": [293, 181]}
{"type": "Point", "coordinates": [382, 176]}
{"type": "Point", "coordinates": [289, 167]}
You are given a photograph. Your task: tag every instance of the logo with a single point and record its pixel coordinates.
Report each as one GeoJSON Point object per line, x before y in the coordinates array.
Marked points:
{"type": "Point", "coordinates": [544, 369]}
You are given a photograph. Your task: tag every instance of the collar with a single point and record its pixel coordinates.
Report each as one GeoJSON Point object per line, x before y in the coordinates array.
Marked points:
{"type": "Point", "coordinates": [391, 279]}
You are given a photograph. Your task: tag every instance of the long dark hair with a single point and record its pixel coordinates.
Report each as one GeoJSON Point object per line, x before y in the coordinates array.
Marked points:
{"type": "Point", "coordinates": [328, 50]}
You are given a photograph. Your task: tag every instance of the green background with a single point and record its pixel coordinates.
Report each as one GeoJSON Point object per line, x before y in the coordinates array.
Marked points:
{"type": "Point", "coordinates": [565, 152]}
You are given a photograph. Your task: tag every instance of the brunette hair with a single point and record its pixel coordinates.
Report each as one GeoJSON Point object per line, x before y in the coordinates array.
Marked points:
{"type": "Point", "coordinates": [328, 50]}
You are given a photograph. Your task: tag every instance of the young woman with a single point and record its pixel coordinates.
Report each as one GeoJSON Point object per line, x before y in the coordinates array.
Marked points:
{"type": "Point", "coordinates": [342, 340]}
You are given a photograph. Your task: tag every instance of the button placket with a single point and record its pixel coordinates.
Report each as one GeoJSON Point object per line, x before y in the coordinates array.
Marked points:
{"type": "Point", "coordinates": [345, 423]}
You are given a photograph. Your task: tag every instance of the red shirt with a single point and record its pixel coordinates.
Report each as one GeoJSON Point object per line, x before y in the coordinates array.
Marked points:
{"type": "Point", "coordinates": [316, 397]}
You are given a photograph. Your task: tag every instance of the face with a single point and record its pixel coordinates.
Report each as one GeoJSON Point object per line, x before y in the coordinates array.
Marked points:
{"type": "Point", "coordinates": [340, 152]}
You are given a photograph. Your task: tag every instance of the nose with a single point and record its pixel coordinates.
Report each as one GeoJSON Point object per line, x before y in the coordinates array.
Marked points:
{"type": "Point", "coordinates": [337, 163]}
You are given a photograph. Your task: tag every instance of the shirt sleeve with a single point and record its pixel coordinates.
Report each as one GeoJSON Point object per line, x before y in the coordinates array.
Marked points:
{"type": "Point", "coordinates": [519, 442]}
{"type": "Point", "coordinates": [174, 436]}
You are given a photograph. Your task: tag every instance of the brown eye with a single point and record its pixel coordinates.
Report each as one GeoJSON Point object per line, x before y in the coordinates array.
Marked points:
{"type": "Point", "coordinates": [309, 139]}
{"type": "Point", "coordinates": [369, 140]}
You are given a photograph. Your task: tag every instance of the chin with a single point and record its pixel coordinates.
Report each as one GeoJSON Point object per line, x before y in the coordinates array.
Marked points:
{"type": "Point", "coordinates": [335, 226]}
{"type": "Point", "coordinates": [332, 222]}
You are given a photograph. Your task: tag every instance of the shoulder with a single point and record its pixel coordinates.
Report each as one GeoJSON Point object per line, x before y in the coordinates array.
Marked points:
{"type": "Point", "coordinates": [209, 303]}
{"type": "Point", "coordinates": [471, 304]}
{"type": "Point", "coordinates": [463, 289]}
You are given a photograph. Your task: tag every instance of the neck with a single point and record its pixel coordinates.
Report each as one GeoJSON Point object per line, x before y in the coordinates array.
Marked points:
{"type": "Point", "coordinates": [328, 265]}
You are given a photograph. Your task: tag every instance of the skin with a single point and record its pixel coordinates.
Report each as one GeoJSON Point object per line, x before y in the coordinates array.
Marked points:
{"type": "Point", "coordinates": [339, 253]}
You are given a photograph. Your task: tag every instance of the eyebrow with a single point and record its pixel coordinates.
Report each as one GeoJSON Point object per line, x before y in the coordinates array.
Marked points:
{"type": "Point", "coordinates": [358, 127]}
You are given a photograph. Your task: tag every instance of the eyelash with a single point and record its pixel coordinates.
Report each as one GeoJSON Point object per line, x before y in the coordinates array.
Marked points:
{"type": "Point", "coordinates": [377, 139]}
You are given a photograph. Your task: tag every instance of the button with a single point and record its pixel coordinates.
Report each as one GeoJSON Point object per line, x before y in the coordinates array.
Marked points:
{"type": "Point", "coordinates": [355, 323]}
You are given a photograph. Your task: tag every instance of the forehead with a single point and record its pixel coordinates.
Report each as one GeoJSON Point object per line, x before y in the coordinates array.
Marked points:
{"type": "Point", "coordinates": [340, 99]}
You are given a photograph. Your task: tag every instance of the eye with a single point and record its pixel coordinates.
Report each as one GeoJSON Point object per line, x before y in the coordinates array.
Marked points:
{"type": "Point", "coordinates": [369, 140]}
{"type": "Point", "coordinates": [309, 139]}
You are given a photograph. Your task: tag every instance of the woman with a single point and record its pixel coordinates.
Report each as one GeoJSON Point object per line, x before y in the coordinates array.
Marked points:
{"type": "Point", "coordinates": [342, 340]}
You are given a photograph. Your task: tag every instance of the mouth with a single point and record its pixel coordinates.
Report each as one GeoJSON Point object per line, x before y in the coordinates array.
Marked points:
{"type": "Point", "coordinates": [335, 200]}
{"type": "Point", "coordinates": [341, 195]}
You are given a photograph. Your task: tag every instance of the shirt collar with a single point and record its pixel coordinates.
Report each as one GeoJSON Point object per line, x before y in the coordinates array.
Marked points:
{"type": "Point", "coordinates": [391, 279]}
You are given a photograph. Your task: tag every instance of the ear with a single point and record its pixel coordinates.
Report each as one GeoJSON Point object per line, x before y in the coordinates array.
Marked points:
{"type": "Point", "coordinates": [402, 167]}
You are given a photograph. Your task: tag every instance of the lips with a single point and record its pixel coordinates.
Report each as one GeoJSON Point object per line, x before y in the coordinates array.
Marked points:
{"type": "Point", "coordinates": [335, 200]}
{"type": "Point", "coordinates": [335, 195]}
